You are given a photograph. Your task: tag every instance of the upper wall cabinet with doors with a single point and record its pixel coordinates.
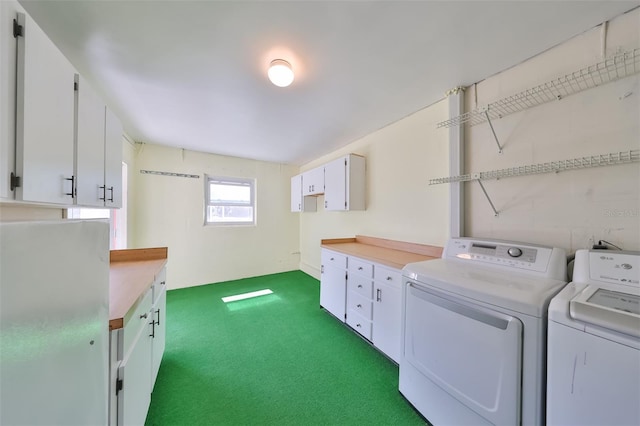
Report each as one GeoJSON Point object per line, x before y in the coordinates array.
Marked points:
{"type": "Point", "coordinates": [342, 182]}
{"type": "Point", "coordinates": [300, 203]}
{"type": "Point", "coordinates": [98, 151]}
{"type": "Point", "coordinates": [40, 116]}
{"type": "Point", "coordinates": [313, 182]}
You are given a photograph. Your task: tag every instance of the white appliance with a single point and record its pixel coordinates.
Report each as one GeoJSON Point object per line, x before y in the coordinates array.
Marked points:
{"type": "Point", "coordinates": [593, 375]}
{"type": "Point", "coordinates": [474, 332]}
{"type": "Point", "coordinates": [54, 323]}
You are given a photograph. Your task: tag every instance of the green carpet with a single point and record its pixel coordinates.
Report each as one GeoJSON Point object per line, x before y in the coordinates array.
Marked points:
{"type": "Point", "coordinates": [273, 360]}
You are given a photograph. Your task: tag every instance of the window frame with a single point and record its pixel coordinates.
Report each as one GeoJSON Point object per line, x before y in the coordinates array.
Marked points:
{"type": "Point", "coordinates": [250, 182]}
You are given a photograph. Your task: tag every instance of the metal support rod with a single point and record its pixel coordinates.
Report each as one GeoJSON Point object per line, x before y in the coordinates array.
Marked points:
{"type": "Point", "coordinates": [488, 199]}
{"type": "Point", "coordinates": [486, 112]}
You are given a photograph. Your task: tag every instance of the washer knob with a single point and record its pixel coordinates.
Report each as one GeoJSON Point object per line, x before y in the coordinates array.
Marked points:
{"type": "Point", "coordinates": [514, 252]}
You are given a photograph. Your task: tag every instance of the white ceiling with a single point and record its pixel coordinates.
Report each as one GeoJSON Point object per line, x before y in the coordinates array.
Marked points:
{"type": "Point", "coordinates": [192, 74]}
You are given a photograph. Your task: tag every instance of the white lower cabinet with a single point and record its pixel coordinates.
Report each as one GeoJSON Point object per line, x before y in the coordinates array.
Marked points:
{"type": "Point", "coordinates": [371, 298]}
{"type": "Point", "coordinates": [333, 283]}
{"type": "Point", "coordinates": [136, 353]}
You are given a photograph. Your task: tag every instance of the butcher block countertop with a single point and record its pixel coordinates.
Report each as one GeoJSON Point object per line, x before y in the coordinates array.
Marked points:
{"type": "Point", "coordinates": [395, 254]}
{"type": "Point", "coordinates": [132, 272]}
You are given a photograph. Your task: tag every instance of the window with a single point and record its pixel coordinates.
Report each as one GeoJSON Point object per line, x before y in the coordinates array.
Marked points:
{"type": "Point", "coordinates": [229, 201]}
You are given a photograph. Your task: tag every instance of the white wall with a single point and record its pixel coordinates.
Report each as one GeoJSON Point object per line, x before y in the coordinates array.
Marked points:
{"type": "Point", "coordinates": [169, 211]}
{"type": "Point", "coordinates": [400, 205]}
{"type": "Point", "coordinates": [570, 209]}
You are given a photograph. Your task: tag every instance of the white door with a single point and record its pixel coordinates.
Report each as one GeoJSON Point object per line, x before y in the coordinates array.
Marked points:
{"type": "Point", "coordinates": [45, 118]}
{"type": "Point", "coordinates": [470, 352]}
{"type": "Point", "coordinates": [387, 304]}
{"type": "Point", "coordinates": [158, 332]}
{"type": "Point", "coordinates": [112, 160]}
{"type": "Point", "coordinates": [135, 373]}
{"type": "Point", "coordinates": [335, 182]}
{"type": "Point", "coordinates": [89, 147]}
{"type": "Point", "coordinates": [333, 284]}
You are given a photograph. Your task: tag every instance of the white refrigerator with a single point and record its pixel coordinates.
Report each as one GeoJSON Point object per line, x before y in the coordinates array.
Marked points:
{"type": "Point", "coordinates": [54, 322]}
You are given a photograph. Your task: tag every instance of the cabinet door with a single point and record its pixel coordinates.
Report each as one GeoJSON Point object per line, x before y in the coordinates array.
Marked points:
{"type": "Point", "coordinates": [135, 373]}
{"type": "Point", "coordinates": [335, 181]}
{"type": "Point", "coordinates": [387, 305]}
{"type": "Point", "coordinates": [89, 146]}
{"type": "Point", "coordinates": [313, 181]}
{"type": "Point", "coordinates": [113, 160]}
{"type": "Point", "coordinates": [296, 193]}
{"type": "Point", "coordinates": [333, 284]}
{"type": "Point", "coordinates": [8, 12]}
{"type": "Point", "coordinates": [158, 332]}
{"type": "Point", "coordinates": [45, 118]}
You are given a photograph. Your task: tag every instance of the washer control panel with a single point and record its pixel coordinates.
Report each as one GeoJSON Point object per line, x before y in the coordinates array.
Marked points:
{"type": "Point", "coordinates": [500, 253]}
{"type": "Point", "coordinates": [616, 267]}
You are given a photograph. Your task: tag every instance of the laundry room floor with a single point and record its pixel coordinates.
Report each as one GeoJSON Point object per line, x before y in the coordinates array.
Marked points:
{"type": "Point", "coordinates": [272, 359]}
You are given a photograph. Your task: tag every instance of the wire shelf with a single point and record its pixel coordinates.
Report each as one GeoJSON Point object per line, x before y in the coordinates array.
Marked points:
{"type": "Point", "coordinates": [614, 68]}
{"type": "Point", "coordinates": [610, 159]}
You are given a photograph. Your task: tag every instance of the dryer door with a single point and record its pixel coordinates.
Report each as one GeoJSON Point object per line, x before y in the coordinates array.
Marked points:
{"type": "Point", "coordinates": [472, 353]}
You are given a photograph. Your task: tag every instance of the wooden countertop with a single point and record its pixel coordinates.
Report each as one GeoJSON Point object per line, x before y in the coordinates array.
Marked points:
{"type": "Point", "coordinates": [131, 274]}
{"type": "Point", "coordinates": [395, 254]}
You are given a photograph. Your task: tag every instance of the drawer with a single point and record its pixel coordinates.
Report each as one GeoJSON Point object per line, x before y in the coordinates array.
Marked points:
{"type": "Point", "coordinates": [333, 259]}
{"type": "Point", "coordinates": [159, 285]}
{"type": "Point", "coordinates": [359, 304]}
{"type": "Point", "coordinates": [136, 319]}
{"type": "Point", "coordinates": [392, 277]}
{"type": "Point", "coordinates": [359, 324]}
{"type": "Point", "coordinates": [360, 285]}
{"type": "Point", "coordinates": [360, 267]}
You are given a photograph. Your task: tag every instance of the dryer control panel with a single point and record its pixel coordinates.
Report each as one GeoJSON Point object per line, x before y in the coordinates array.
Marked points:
{"type": "Point", "coordinates": [527, 257]}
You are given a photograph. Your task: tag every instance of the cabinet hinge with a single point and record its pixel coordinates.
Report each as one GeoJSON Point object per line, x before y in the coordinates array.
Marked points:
{"type": "Point", "coordinates": [119, 385]}
{"type": "Point", "coordinates": [75, 86]}
{"type": "Point", "coordinates": [14, 181]}
{"type": "Point", "coordinates": [345, 205]}
{"type": "Point", "coordinates": [17, 29]}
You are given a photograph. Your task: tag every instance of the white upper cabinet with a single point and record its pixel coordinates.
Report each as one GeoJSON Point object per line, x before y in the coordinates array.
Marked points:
{"type": "Point", "coordinates": [299, 203]}
{"type": "Point", "coordinates": [344, 181]}
{"type": "Point", "coordinates": [89, 146]}
{"type": "Point", "coordinates": [113, 160]}
{"type": "Point", "coordinates": [313, 182]}
{"type": "Point", "coordinates": [59, 143]}
{"type": "Point", "coordinates": [8, 44]}
{"type": "Point", "coordinates": [44, 118]}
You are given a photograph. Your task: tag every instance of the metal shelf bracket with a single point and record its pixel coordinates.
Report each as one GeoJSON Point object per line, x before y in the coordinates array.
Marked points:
{"type": "Point", "coordinates": [495, 212]}
{"type": "Point", "coordinates": [494, 132]}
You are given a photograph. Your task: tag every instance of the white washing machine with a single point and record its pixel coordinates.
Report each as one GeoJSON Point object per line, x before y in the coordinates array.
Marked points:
{"type": "Point", "coordinates": [474, 332]}
{"type": "Point", "coordinates": [593, 375]}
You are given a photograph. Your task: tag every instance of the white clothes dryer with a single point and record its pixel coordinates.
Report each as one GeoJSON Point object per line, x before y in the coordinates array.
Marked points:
{"type": "Point", "coordinates": [474, 332]}
{"type": "Point", "coordinates": [593, 375]}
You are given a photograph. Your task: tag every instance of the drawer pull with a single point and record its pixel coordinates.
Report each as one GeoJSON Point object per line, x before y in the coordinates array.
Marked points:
{"type": "Point", "coordinates": [359, 285]}
{"type": "Point", "coordinates": [359, 268]}
{"type": "Point", "coordinates": [359, 305]}
{"type": "Point", "coordinates": [143, 316]}
{"type": "Point", "coordinates": [331, 258]}
{"type": "Point", "coordinates": [358, 325]}
{"type": "Point", "coordinates": [389, 278]}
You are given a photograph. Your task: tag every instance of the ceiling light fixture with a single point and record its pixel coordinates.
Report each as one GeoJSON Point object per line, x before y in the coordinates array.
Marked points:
{"type": "Point", "coordinates": [280, 73]}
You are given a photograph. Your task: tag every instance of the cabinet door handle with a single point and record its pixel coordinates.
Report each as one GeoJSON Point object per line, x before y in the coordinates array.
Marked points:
{"type": "Point", "coordinates": [73, 186]}
{"type": "Point", "coordinates": [158, 312]}
{"type": "Point", "coordinates": [110, 189]}
{"type": "Point", "coordinates": [153, 329]}
{"type": "Point", "coordinates": [379, 295]}
{"type": "Point", "coordinates": [104, 193]}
